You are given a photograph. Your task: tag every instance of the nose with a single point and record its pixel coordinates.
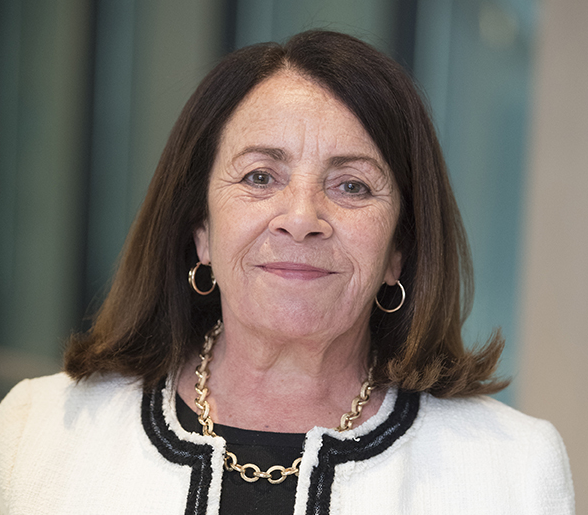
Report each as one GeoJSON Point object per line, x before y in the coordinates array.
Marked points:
{"type": "Point", "coordinates": [301, 213]}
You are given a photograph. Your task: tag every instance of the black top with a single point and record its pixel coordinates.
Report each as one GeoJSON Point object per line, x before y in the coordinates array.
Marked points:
{"type": "Point", "coordinates": [264, 449]}
{"type": "Point", "coordinates": [332, 452]}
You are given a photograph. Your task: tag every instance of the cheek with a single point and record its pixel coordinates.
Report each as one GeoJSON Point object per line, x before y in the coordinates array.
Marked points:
{"type": "Point", "coordinates": [235, 228]}
{"type": "Point", "coordinates": [223, 224]}
{"type": "Point", "coordinates": [369, 242]}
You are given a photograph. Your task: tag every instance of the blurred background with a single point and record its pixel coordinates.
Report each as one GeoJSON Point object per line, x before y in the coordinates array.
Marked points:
{"type": "Point", "coordinates": [89, 90]}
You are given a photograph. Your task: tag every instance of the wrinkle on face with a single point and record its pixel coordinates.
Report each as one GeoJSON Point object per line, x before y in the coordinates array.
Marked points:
{"type": "Point", "coordinates": [310, 144]}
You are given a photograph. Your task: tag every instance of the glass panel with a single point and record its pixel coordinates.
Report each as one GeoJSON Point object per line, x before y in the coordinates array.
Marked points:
{"type": "Point", "coordinates": [473, 59]}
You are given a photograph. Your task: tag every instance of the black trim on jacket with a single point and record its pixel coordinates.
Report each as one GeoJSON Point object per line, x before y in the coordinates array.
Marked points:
{"type": "Point", "coordinates": [332, 451]}
{"type": "Point", "coordinates": [197, 456]}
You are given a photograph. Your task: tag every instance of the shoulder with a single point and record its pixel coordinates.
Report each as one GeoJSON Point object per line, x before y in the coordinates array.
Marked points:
{"type": "Point", "coordinates": [500, 444]}
{"type": "Point", "coordinates": [25, 392]}
{"type": "Point", "coordinates": [59, 391]}
{"type": "Point", "coordinates": [485, 422]}
{"type": "Point", "coordinates": [56, 398]}
{"type": "Point", "coordinates": [53, 419]}
{"type": "Point", "coordinates": [16, 407]}
{"type": "Point", "coordinates": [46, 408]}
{"type": "Point", "coordinates": [488, 420]}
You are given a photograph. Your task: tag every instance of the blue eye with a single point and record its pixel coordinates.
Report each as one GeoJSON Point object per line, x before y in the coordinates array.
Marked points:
{"type": "Point", "coordinates": [258, 178]}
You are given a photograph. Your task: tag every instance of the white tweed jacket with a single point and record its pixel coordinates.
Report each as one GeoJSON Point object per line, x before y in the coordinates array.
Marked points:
{"type": "Point", "coordinates": [104, 446]}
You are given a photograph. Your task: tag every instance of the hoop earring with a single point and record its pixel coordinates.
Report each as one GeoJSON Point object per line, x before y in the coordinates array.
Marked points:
{"type": "Point", "coordinates": [399, 305]}
{"type": "Point", "coordinates": [192, 279]}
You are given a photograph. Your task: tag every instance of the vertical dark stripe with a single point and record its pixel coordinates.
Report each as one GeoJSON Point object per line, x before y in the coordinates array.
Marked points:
{"type": "Point", "coordinates": [85, 292]}
{"type": "Point", "coordinates": [406, 22]}
{"type": "Point", "coordinates": [230, 26]}
{"type": "Point", "coordinates": [109, 166]}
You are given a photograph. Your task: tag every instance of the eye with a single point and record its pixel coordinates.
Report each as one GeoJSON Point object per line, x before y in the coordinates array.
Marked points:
{"type": "Point", "coordinates": [354, 188]}
{"type": "Point", "coordinates": [259, 179]}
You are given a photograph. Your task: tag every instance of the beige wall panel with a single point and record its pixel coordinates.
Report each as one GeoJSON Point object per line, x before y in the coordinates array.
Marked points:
{"type": "Point", "coordinates": [555, 297]}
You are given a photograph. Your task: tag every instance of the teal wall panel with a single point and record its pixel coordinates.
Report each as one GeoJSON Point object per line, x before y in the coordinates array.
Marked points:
{"type": "Point", "coordinates": [275, 20]}
{"type": "Point", "coordinates": [43, 157]}
{"type": "Point", "coordinates": [473, 60]}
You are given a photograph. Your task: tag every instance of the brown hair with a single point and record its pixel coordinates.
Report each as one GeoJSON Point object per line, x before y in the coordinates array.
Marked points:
{"type": "Point", "coordinates": [151, 320]}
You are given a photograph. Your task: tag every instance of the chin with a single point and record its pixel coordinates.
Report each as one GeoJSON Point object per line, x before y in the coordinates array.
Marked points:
{"type": "Point", "coordinates": [305, 322]}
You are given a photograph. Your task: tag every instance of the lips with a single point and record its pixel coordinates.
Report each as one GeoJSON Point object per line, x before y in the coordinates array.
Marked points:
{"type": "Point", "coordinates": [295, 270]}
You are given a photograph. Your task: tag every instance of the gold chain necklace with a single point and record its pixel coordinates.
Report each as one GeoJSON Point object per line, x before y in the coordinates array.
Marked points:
{"type": "Point", "coordinates": [230, 460]}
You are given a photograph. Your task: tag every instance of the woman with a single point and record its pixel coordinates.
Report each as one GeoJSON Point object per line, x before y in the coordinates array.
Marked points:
{"type": "Point", "coordinates": [303, 200]}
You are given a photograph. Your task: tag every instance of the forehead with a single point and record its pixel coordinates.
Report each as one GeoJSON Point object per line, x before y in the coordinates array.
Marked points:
{"type": "Point", "coordinates": [290, 89]}
{"type": "Point", "coordinates": [288, 106]}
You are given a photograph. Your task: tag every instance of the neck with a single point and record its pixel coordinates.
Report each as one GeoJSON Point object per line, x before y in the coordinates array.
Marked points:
{"type": "Point", "coordinates": [283, 384]}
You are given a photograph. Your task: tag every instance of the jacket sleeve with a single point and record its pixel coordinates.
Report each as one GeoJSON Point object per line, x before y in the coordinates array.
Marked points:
{"type": "Point", "coordinates": [549, 484]}
{"type": "Point", "coordinates": [14, 411]}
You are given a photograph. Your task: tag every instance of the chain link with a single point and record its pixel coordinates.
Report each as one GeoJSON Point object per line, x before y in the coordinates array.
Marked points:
{"type": "Point", "coordinates": [256, 474]}
{"type": "Point", "coordinates": [251, 472]}
{"type": "Point", "coordinates": [202, 374]}
{"type": "Point", "coordinates": [357, 405]}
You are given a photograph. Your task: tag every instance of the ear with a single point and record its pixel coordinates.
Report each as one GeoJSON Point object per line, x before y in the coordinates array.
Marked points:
{"type": "Point", "coordinates": [394, 268]}
{"type": "Point", "coordinates": [202, 243]}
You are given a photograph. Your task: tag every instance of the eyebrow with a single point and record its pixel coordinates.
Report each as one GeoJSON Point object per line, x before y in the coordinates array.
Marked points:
{"type": "Point", "coordinates": [275, 153]}
{"type": "Point", "coordinates": [279, 154]}
{"type": "Point", "coordinates": [343, 160]}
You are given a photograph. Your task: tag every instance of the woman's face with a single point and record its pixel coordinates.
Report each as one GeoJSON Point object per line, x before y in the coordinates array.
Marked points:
{"type": "Point", "coordinates": [302, 209]}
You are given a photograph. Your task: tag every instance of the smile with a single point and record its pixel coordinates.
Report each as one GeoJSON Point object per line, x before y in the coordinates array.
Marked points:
{"type": "Point", "coordinates": [295, 270]}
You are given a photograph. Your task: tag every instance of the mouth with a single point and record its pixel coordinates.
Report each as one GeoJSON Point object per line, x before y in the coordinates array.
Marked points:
{"type": "Point", "coordinates": [295, 270]}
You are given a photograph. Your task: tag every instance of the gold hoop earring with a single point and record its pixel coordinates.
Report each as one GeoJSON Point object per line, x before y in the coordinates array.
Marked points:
{"type": "Point", "coordinates": [192, 279]}
{"type": "Point", "coordinates": [399, 305]}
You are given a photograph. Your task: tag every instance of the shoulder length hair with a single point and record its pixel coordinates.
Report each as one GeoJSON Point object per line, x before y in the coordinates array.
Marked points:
{"type": "Point", "coordinates": [151, 320]}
